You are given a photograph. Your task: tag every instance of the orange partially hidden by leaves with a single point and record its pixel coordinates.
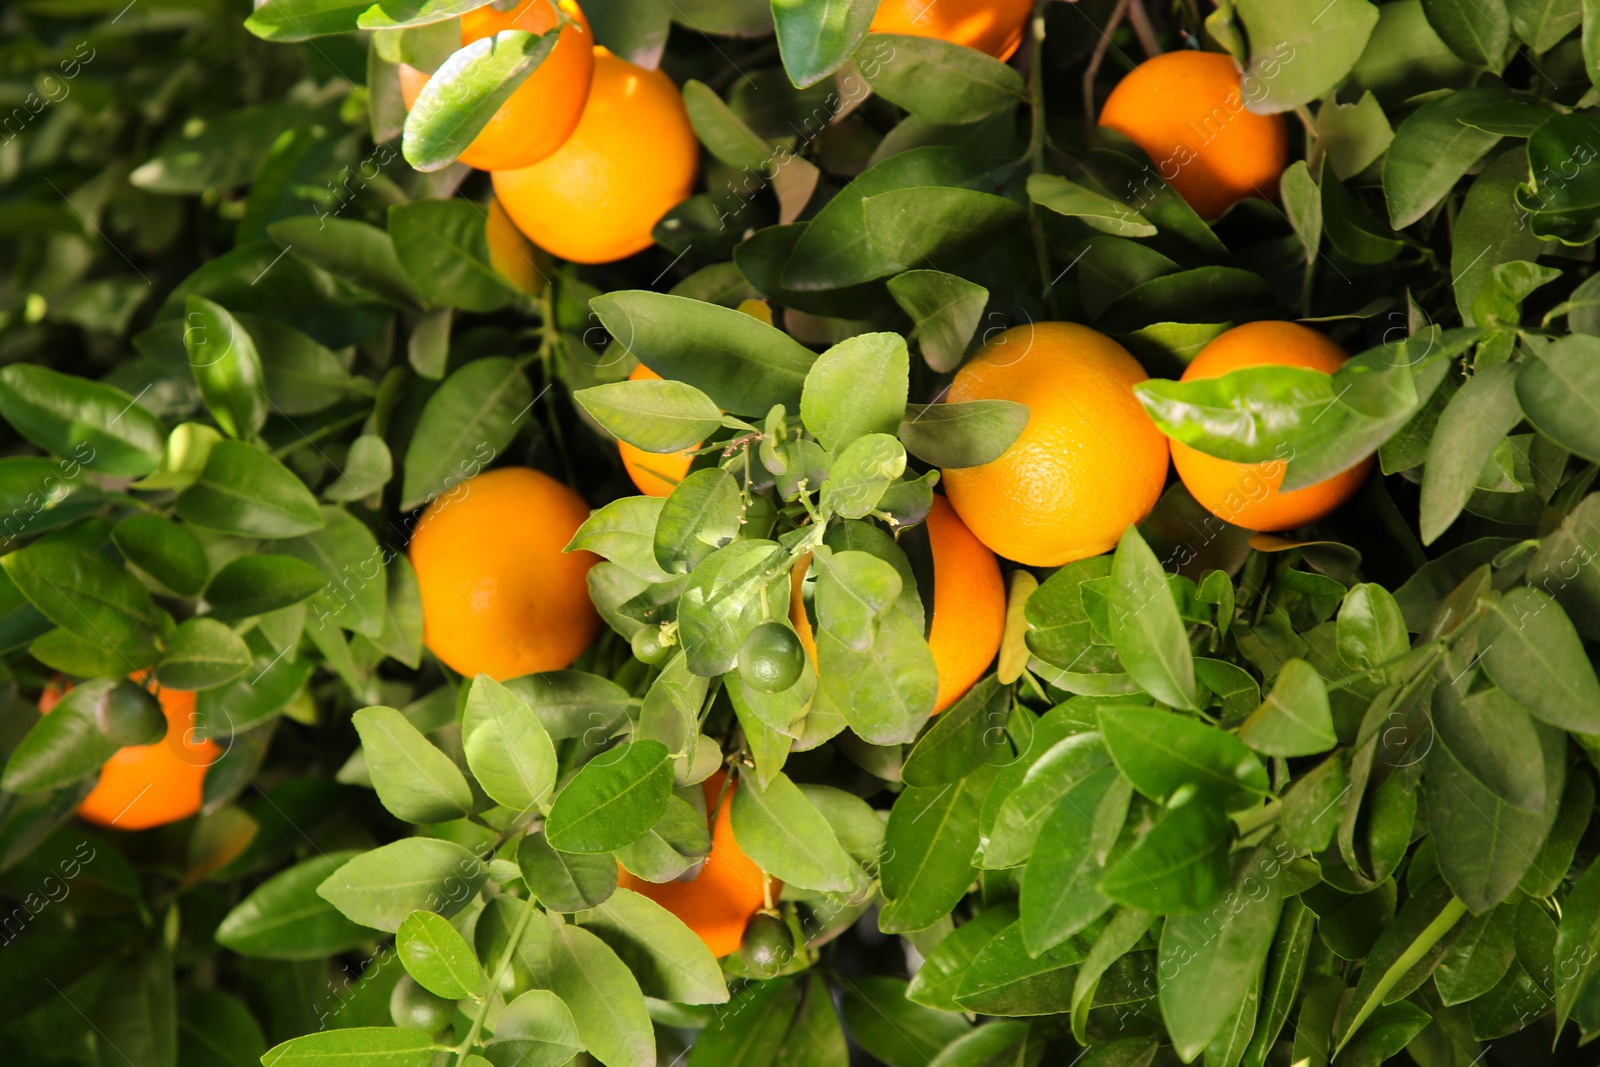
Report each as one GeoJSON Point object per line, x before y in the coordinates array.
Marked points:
{"type": "Point", "coordinates": [1187, 111]}
{"type": "Point", "coordinates": [1089, 461]}
{"type": "Point", "coordinates": [544, 110]}
{"type": "Point", "coordinates": [1246, 494]}
{"type": "Point", "coordinates": [969, 605]}
{"type": "Point", "coordinates": [499, 594]}
{"type": "Point", "coordinates": [655, 473]}
{"type": "Point", "coordinates": [632, 159]}
{"type": "Point", "coordinates": [718, 902]}
{"type": "Point", "coordinates": [993, 26]}
{"type": "Point", "coordinates": [149, 785]}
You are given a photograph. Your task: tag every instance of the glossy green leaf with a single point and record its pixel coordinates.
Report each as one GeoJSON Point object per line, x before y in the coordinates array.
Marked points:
{"type": "Point", "coordinates": [1294, 719]}
{"type": "Point", "coordinates": [613, 800]}
{"type": "Point", "coordinates": [381, 887]}
{"type": "Point", "coordinates": [856, 387]}
{"type": "Point", "coordinates": [437, 956]}
{"type": "Point", "coordinates": [90, 423]}
{"type": "Point", "coordinates": [464, 93]}
{"type": "Point", "coordinates": [415, 781]}
{"type": "Point", "coordinates": [785, 834]}
{"type": "Point", "coordinates": [242, 490]}
{"type": "Point", "coordinates": [937, 80]}
{"type": "Point", "coordinates": [506, 746]}
{"type": "Point", "coordinates": [657, 416]}
{"type": "Point", "coordinates": [1168, 756]}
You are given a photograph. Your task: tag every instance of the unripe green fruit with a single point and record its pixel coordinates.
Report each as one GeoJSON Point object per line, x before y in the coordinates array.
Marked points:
{"type": "Point", "coordinates": [414, 1008]}
{"type": "Point", "coordinates": [129, 715]}
{"type": "Point", "coordinates": [767, 945]}
{"type": "Point", "coordinates": [648, 647]}
{"type": "Point", "coordinates": [771, 658]}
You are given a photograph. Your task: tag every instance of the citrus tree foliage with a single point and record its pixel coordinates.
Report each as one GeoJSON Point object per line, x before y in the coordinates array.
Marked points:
{"type": "Point", "coordinates": [1226, 798]}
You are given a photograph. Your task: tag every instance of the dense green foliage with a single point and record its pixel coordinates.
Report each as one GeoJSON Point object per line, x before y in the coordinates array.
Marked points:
{"type": "Point", "coordinates": [1237, 799]}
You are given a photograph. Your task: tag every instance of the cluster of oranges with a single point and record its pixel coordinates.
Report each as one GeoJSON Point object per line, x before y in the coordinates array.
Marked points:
{"type": "Point", "coordinates": [586, 157]}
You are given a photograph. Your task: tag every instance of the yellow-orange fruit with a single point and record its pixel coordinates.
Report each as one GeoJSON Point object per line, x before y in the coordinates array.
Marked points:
{"type": "Point", "coordinates": [1089, 461]}
{"type": "Point", "coordinates": [1247, 494]}
{"type": "Point", "coordinates": [1187, 111]}
{"type": "Point", "coordinates": [718, 902]}
{"type": "Point", "coordinates": [655, 473]}
{"type": "Point", "coordinates": [543, 111]}
{"type": "Point", "coordinates": [993, 26]}
{"type": "Point", "coordinates": [499, 596]}
{"type": "Point", "coordinates": [632, 159]}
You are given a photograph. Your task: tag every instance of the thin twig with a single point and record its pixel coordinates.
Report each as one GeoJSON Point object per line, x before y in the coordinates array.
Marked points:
{"type": "Point", "coordinates": [1097, 57]}
{"type": "Point", "coordinates": [1142, 29]}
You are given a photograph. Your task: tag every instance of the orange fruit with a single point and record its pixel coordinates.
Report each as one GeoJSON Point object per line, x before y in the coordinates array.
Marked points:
{"type": "Point", "coordinates": [632, 159]}
{"type": "Point", "coordinates": [544, 110]}
{"type": "Point", "coordinates": [993, 26]}
{"type": "Point", "coordinates": [512, 255]}
{"type": "Point", "coordinates": [500, 596]}
{"type": "Point", "coordinates": [1187, 111]}
{"type": "Point", "coordinates": [1088, 462]}
{"type": "Point", "coordinates": [149, 785]}
{"type": "Point", "coordinates": [1246, 494]}
{"type": "Point", "coordinates": [655, 473]}
{"type": "Point", "coordinates": [969, 605]}
{"type": "Point", "coordinates": [718, 902]}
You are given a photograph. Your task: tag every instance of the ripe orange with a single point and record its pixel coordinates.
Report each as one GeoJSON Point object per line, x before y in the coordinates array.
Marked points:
{"type": "Point", "coordinates": [1246, 494]}
{"type": "Point", "coordinates": [544, 110]}
{"type": "Point", "coordinates": [512, 255]}
{"type": "Point", "coordinates": [1187, 111]}
{"type": "Point", "coordinates": [655, 473]}
{"type": "Point", "coordinates": [149, 785]}
{"type": "Point", "coordinates": [632, 159]}
{"type": "Point", "coordinates": [718, 901]}
{"type": "Point", "coordinates": [499, 594]}
{"type": "Point", "coordinates": [993, 26]}
{"type": "Point", "coordinates": [1088, 462]}
{"type": "Point", "coordinates": [969, 605]}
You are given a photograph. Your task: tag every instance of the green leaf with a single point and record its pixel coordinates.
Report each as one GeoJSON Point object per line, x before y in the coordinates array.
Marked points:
{"type": "Point", "coordinates": [701, 515]}
{"type": "Point", "coordinates": [1251, 415]}
{"type": "Point", "coordinates": [202, 653]}
{"type": "Point", "coordinates": [856, 387]}
{"type": "Point", "coordinates": [1280, 987]}
{"type": "Point", "coordinates": [64, 746]}
{"type": "Point", "coordinates": [624, 532]}
{"type": "Point", "coordinates": [1371, 628]}
{"type": "Point", "coordinates": [256, 585]}
{"type": "Point", "coordinates": [464, 93]}
{"type": "Point", "coordinates": [416, 782]}
{"type": "Point", "coordinates": [368, 1046]}
{"type": "Point", "coordinates": [966, 434]}
{"type": "Point", "coordinates": [1294, 720]}
{"type": "Point", "coordinates": [815, 37]}
{"type": "Point", "coordinates": [1205, 971]}
{"type": "Point", "coordinates": [83, 592]}
{"type": "Point", "coordinates": [893, 1029]}
{"type": "Point", "coordinates": [1479, 956]}
{"type": "Point", "coordinates": [467, 423]}
{"type": "Point", "coordinates": [928, 848]}
{"type": "Point", "coordinates": [1403, 956]}
{"type": "Point", "coordinates": [344, 550]}
{"type": "Point", "coordinates": [506, 746]}
{"type": "Point", "coordinates": [1484, 844]}
{"type": "Point", "coordinates": [1355, 134]}
{"type": "Point", "coordinates": [613, 800]}
{"type": "Point", "coordinates": [939, 80]}
{"type": "Point", "coordinates": [244, 491]}
{"type": "Point", "coordinates": [1495, 739]}
{"type": "Point", "coordinates": [743, 364]}
{"type": "Point", "coordinates": [935, 226]}
{"type": "Point", "coordinates": [946, 310]}
{"type": "Point", "coordinates": [135, 1013]}
{"type": "Point", "coordinates": [1534, 654]}
{"type": "Point", "coordinates": [1431, 151]}
{"type": "Point", "coordinates": [966, 735]}
{"type": "Point", "coordinates": [1145, 627]}
{"type": "Point", "coordinates": [357, 252]}
{"type": "Point", "coordinates": [381, 887]}
{"type": "Point", "coordinates": [657, 416]}
{"type": "Point", "coordinates": [1180, 866]}
{"type": "Point", "coordinates": [668, 959]}
{"type": "Point", "coordinates": [1017, 822]}
{"type": "Point", "coordinates": [1006, 980]}
{"type": "Point", "coordinates": [1476, 420]}
{"type": "Point", "coordinates": [1168, 756]}
{"type": "Point", "coordinates": [1301, 49]}
{"type": "Point", "coordinates": [226, 367]}
{"type": "Point", "coordinates": [861, 475]}
{"type": "Point", "coordinates": [395, 14]}
{"type": "Point", "coordinates": [1476, 30]}
{"type": "Point", "coordinates": [1557, 391]}
{"type": "Point", "coordinates": [939, 978]}
{"type": "Point", "coordinates": [284, 918]}
{"type": "Point", "coordinates": [607, 1006]}
{"type": "Point", "coordinates": [565, 881]}
{"type": "Point", "coordinates": [1120, 935]}
{"type": "Point", "coordinates": [164, 550]}
{"type": "Point", "coordinates": [1096, 210]}
{"type": "Point", "coordinates": [1541, 24]}
{"type": "Point", "coordinates": [96, 425]}
{"type": "Point", "coordinates": [300, 20]}
{"type": "Point", "coordinates": [443, 246]}
{"type": "Point", "coordinates": [1060, 886]}
{"type": "Point", "coordinates": [887, 691]}
{"type": "Point", "coordinates": [752, 1029]}
{"type": "Point", "coordinates": [786, 836]}
{"type": "Point", "coordinates": [437, 956]}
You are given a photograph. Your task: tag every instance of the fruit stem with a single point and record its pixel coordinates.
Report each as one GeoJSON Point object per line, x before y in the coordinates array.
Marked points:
{"type": "Point", "coordinates": [1142, 29]}
{"type": "Point", "coordinates": [1036, 140]}
{"type": "Point", "coordinates": [512, 943]}
{"type": "Point", "coordinates": [1096, 58]}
